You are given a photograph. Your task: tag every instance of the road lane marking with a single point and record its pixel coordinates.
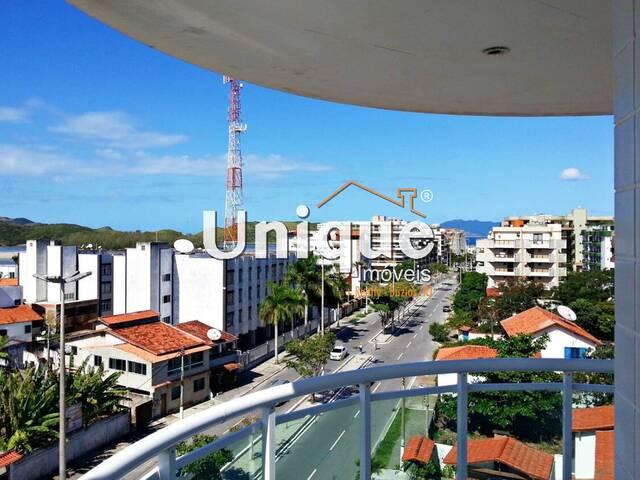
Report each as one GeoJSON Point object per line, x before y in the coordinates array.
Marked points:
{"type": "Point", "coordinates": [312, 473]}
{"type": "Point", "coordinates": [408, 344]}
{"type": "Point", "coordinates": [400, 356]}
{"type": "Point", "coordinates": [337, 440]}
{"type": "Point", "coordinates": [416, 334]}
{"type": "Point", "coordinates": [376, 387]}
{"type": "Point", "coordinates": [357, 413]}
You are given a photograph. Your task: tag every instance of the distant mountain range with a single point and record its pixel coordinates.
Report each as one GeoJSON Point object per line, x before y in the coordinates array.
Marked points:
{"type": "Point", "coordinates": [16, 231]}
{"type": "Point", "coordinates": [474, 228]}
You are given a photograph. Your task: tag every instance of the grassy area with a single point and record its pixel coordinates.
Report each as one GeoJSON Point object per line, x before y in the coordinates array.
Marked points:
{"type": "Point", "coordinates": [384, 452]}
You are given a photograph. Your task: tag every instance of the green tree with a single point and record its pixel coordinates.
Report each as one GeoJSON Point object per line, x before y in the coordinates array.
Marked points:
{"type": "Point", "coordinates": [517, 296]}
{"type": "Point", "coordinates": [3, 344]}
{"type": "Point", "coordinates": [305, 275]}
{"type": "Point", "coordinates": [471, 292]}
{"type": "Point", "coordinates": [207, 468]}
{"type": "Point", "coordinates": [98, 395]}
{"type": "Point", "coordinates": [595, 318]}
{"type": "Point", "coordinates": [279, 306]}
{"type": "Point", "coordinates": [439, 332]}
{"type": "Point", "coordinates": [438, 268]}
{"type": "Point", "coordinates": [28, 408]}
{"type": "Point", "coordinates": [308, 357]}
{"type": "Point", "coordinates": [595, 286]}
{"type": "Point", "coordinates": [529, 416]}
{"type": "Point", "coordinates": [603, 352]}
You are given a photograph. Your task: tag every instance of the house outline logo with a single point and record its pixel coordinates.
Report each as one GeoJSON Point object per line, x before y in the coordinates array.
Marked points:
{"type": "Point", "coordinates": [400, 194]}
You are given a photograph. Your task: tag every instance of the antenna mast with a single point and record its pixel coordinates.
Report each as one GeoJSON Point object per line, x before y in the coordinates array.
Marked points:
{"type": "Point", "coordinates": [234, 198]}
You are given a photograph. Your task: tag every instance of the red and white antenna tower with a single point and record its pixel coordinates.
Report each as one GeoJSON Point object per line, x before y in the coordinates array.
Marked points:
{"type": "Point", "coordinates": [234, 198]}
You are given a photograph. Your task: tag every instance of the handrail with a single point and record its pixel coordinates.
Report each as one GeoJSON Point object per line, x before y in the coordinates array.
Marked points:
{"type": "Point", "coordinates": [166, 439]}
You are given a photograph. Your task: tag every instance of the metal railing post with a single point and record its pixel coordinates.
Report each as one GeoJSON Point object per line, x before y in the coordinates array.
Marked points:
{"type": "Point", "coordinates": [269, 443]}
{"type": "Point", "coordinates": [462, 424]}
{"type": "Point", "coordinates": [365, 431]}
{"type": "Point", "coordinates": [167, 464]}
{"type": "Point", "coordinates": [567, 430]}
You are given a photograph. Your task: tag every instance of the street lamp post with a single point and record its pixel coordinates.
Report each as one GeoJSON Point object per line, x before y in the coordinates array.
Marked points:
{"type": "Point", "coordinates": [62, 281]}
{"type": "Point", "coordinates": [322, 298]}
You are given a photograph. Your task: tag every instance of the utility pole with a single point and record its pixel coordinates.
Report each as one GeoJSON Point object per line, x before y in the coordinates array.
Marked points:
{"type": "Point", "coordinates": [181, 383]}
{"type": "Point", "coordinates": [62, 281]}
{"type": "Point", "coordinates": [402, 435]}
{"type": "Point", "coordinates": [322, 297]}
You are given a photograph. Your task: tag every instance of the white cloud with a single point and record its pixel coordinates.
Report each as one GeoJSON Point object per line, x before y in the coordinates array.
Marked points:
{"type": "Point", "coordinates": [28, 161]}
{"type": "Point", "coordinates": [115, 129]}
{"type": "Point", "coordinates": [13, 115]}
{"type": "Point", "coordinates": [572, 174]}
{"type": "Point", "coordinates": [19, 160]}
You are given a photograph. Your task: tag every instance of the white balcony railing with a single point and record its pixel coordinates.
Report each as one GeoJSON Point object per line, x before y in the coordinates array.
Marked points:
{"type": "Point", "coordinates": [161, 444]}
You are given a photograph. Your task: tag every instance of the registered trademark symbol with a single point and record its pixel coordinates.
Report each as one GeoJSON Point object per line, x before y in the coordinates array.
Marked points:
{"type": "Point", "coordinates": [426, 196]}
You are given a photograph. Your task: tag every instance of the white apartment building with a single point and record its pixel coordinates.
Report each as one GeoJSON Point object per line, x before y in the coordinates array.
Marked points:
{"type": "Point", "coordinates": [8, 268]}
{"type": "Point", "coordinates": [598, 247]}
{"type": "Point", "coordinates": [85, 299]}
{"type": "Point", "coordinates": [535, 251]}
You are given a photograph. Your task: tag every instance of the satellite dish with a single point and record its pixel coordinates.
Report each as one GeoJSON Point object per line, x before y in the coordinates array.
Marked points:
{"type": "Point", "coordinates": [566, 313]}
{"type": "Point", "coordinates": [183, 245]}
{"type": "Point", "coordinates": [214, 334]}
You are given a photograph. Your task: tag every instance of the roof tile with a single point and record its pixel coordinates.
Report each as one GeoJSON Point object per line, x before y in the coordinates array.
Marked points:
{"type": "Point", "coordinates": [604, 455]}
{"type": "Point", "coordinates": [537, 319]}
{"type": "Point", "coordinates": [200, 329]}
{"type": "Point", "coordinates": [157, 338]}
{"type": "Point", "coordinates": [19, 314]}
{"type": "Point", "coordinates": [593, 418]}
{"type": "Point", "coordinates": [419, 449]}
{"type": "Point", "coordinates": [466, 352]}
{"type": "Point", "coordinates": [507, 451]}
{"type": "Point", "coordinates": [115, 320]}
{"type": "Point", "coordinates": [7, 458]}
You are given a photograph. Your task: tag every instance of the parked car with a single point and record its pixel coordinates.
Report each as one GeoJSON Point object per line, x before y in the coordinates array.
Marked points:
{"type": "Point", "coordinates": [338, 352]}
{"type": "Point", "coordinates": [446, 308]}
{"type": "Point", "coordinates": [276, 383]}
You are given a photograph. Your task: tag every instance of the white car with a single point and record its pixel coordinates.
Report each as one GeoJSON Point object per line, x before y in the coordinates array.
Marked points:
{"type": "Point", "coordinates": [338, 352]}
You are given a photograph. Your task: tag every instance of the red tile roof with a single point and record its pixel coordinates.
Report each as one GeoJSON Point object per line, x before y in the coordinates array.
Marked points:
{"type": "Point", "coordinates": [115, 320]}
{"type": "Point", "coordinates": [157, 338]}
{"type": "Point", "coordinates": [604, 455]}
{"type": "Point", "coordinates": [419, 449]}
{"type": "Point", "coordinates": [7, 458]}
{"type": "Point", "coordinates": [507, 451]}
{"type": "Point", "coordinates": [537, 319]}
{"type": "Point", "coordinates": [199, 329]}
{"type": "Point", "coordinates": [8, 282]}
{"type": "Point", "coordinates": [466, 352]}
{"type": "Point", "coordinates": [19, 314]}
{"type": "Point", "coordinates": [493, 292]}
{"type": "Point", "coordinates": [594, 418]}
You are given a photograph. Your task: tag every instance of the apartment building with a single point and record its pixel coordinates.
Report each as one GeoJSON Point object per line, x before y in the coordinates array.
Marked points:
{"type": "Point", "coordinates": [536, 251]}
{"type": "Point", "coordinates": [8, 268]}
{"type": "Point", "coordinates": [598, 247]}
{"type": "Point", "coordinates": [85, 299]}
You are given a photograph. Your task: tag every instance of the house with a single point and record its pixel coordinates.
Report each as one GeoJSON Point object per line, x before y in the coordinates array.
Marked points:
{"type": "Point", "coordinates": [566, 339]}
{"type": "Point", "coordinates": [420, 449]}
{"type": "Point", "coordinates": [593, 442]}
{"type": "Point", "coordinates": [503, 457]}
{"type": "Point", "coordinates": [19, 323]}
{"type": "Point", "coordinates": [465, 352]}
{"type": "Point", "coordinates": [151, 355]}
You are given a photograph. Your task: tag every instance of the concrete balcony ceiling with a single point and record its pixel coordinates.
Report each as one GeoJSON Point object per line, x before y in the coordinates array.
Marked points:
{"type": "Point", "coordinates": [487, 57]}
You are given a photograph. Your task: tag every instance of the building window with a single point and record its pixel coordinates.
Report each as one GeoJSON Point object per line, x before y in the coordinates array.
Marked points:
{"type": "Point", "coordinates": [143, 247]}
{"type": "Point", "coordinates": [240, 315]}
{"type": "Point", "coordinates": [27, 329]}
{"type": "Point", "coordinates": [166, 319]}
{"type": "Point", "coordinates": [250, 293]}
{"type": "Point", "coordinates": [105, 306]}
{"type": "Point", "coordinates": [3, 332]}
{"type": "Point", "coordinates": [198, 384]}
{"type": "Point", "coordinates": [105, 269]}
{"type": "Point", "coordinates": [575, 352]}
{"type": "Point", "coordinates": [97, 360]}
{"type": "Point", "coordinates": [175, 393]}
{"type": "Point", "coordinates": [74, 350]}
{"type": "Point", "coordinates": [105, 287]}
{"type": "Point", "coordinates": [117, 364]}
{"type": "Point", "coordinates": [229, 275]}
{"type": "Point", "coordinates": [137, 367]}
{"type": "Point", "coordinates": [166, 277]}
{"type": "Point", "coordinates": [17, 302]}
{"type": "Point", "coordinates": [229, 320]}
{"type": "Point", "coordinates": [166, 299]}
{"type": "Point", "coordinates": [175, 364]}
{"type": "Point", "coordinates": [70, 296]}
{"type": "Point", "coordinates": [229, 298]}
{"type": "Point", "coordinates": [196, 359]}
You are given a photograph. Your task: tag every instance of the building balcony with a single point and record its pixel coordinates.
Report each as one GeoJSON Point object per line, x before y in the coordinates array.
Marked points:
{"type": "Point", "coordinates": [365, 410]}
{"type": "Point", "coordinates": [543, 244]}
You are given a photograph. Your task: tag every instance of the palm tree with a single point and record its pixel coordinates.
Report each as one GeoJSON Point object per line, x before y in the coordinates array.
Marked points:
{"type": "Point", "coordinates": [277, 307]}
{"type": "Point", "coordinates": [298, 305]}
{"type": "Point", "coordinates": [304, 274]}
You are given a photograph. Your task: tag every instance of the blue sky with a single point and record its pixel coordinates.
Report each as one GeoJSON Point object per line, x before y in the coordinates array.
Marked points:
{"type": "Point", "coordinates": [98, 129]}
